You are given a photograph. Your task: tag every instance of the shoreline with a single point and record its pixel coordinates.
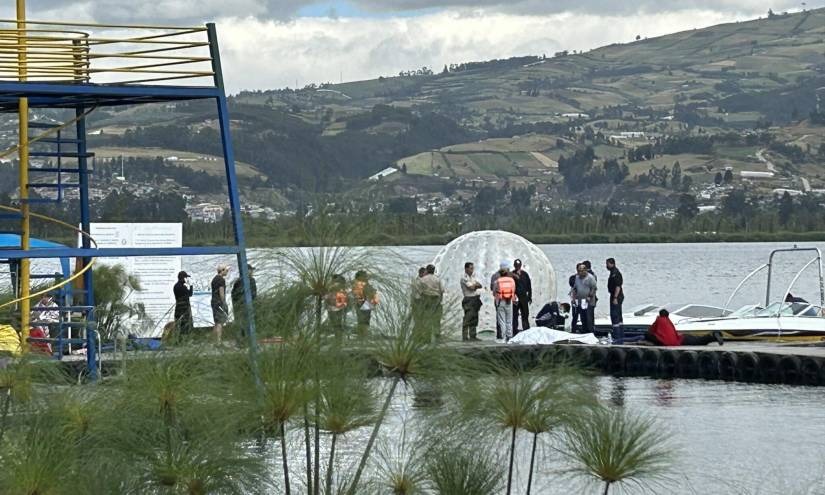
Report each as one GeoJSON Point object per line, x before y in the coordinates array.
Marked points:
{"type": "Point", "coordinates": [589, 238]}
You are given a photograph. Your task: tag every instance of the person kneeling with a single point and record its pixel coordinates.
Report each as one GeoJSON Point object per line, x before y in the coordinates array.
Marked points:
{"type": "Point", "coordinates": [662, 332]}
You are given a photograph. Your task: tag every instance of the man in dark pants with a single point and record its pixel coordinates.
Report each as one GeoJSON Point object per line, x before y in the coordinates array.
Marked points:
{"type": "Point", "coordinates": [584, 293]}
{"type": "Point", "coordinates": [524, 296]}
{"type": "Point", "coordinates": [183, 309]}
{"type": "Point", "coordinates": [238, 303]}
{"type": "Point", "coordinates": [591, 308]}
{"type": "Point", "coordinates": [616, 295]}
{"type": "Point", "coordinates": [574, 308]}
{"type": "Point", "coordinates": [471, 302]}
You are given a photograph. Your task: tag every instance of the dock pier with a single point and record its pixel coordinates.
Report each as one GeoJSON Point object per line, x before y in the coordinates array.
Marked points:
{"type": "Point", "coordinates": [741, 362]}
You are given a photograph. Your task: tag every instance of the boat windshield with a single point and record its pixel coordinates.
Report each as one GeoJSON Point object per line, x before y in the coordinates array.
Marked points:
{"type": "Point", "coordinates": [789, 309]}
{"type": "Point", "coordinates": [747, 310]}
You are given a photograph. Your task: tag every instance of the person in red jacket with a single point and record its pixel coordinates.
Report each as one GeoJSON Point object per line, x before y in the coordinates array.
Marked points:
{"type": "Point", "coordinates": [662, 332]}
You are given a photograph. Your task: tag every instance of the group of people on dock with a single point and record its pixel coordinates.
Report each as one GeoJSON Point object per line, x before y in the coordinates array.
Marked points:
{"type": "Point", "coordinates": [510, 287]}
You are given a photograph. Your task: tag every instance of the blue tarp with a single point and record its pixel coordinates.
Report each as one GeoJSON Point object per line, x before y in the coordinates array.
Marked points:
{"type": "Point", "coordinates": [12, 241]}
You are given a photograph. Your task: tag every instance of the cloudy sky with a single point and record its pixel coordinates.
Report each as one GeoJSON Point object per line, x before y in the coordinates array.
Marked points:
{"type": "Point", "coordinates": [278, 43]}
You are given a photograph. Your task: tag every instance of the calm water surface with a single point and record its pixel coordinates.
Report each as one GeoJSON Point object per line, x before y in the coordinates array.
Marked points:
{"type": "Point", "coordinates": [734, 438]}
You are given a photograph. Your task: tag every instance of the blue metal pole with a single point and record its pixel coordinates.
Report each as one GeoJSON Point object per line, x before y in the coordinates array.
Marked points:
{"type": "Point", "coordinates": [85, 220]}
{"type": "Point", "coordinates": [232, 185]}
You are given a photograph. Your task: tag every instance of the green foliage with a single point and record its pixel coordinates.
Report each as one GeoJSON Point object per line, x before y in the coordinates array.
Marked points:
{"type": "Point", "coordinates": [466, 469]}
{"type": "Point", "coordinates": [112, 288]}
{"type": "Point", "coordinates": [617, 447]}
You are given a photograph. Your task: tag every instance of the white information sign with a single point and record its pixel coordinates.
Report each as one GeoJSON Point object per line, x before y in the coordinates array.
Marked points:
{"type": "Point", "coordinates": [157, 274]}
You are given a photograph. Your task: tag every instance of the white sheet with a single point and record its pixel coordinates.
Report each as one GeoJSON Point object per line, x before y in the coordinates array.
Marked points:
{"type": "Point", "coordinates": [544, 335]}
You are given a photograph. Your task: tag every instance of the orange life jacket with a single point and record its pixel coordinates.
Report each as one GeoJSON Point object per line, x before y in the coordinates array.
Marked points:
{"type": "Point", "coordinates": [360, 293]}
{"type": "Point", "coordinates": [341, 299]}
{"type": "Point", "coordinates": [506, 288]}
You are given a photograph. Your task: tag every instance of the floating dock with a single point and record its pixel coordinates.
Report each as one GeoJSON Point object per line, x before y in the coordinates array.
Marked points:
{"type": "Point", "coordinates": [740, 362]}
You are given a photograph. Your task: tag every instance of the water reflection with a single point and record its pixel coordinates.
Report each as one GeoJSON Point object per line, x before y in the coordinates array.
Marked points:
{"type": "Point", "coordinates": [617, 391]}
{"type": "Point", "coordinates": [664, 392]}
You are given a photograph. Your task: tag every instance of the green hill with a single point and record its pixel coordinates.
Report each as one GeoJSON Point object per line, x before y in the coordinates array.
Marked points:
{"type": "Point", "coordinates": [515, 119]}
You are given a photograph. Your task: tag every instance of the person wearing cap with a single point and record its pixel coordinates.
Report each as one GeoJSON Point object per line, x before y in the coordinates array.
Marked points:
{"type": "Point", "coordinates": [220, 311]}
{"type": "Point", "coordinates": [238, 302]}
{"type": "Point", "coordinates": [524, 296]}
{"type": "Point", "coordinates": [504, 294]}
{"type": "Point", "coordinates": [432, 295]}
{"type": "Point", "coordinates": [183, 290]}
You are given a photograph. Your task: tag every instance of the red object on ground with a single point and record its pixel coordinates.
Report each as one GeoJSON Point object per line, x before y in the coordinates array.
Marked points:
{"type": "Point", "coordinates": [44, 347]}
{"type": "Point", "coordinates": [665, 332]}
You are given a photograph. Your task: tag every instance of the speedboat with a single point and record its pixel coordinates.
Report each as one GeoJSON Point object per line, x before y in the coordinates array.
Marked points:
{"type": "Point", "coordinates": [780, 321]}
{"type": "Point", "coordinates": [789, 319]}
{"type": "Point", "coordinates": [639, 318]}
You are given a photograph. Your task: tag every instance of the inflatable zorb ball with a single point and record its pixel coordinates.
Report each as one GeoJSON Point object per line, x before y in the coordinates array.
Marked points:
{"type": "Point", "coordinates": [487, 249]}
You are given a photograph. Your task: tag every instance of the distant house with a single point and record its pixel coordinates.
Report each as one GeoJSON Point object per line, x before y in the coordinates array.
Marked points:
{"type": "Point", "coordinates": [576, 115]}
{"type": "Point", "coordinates": [387, 171]}
{"type": "Point", "coordinates": [205, 212]}
{"type": "Point", "coordinates": [781, 192]}
{"type": "Point", "coordinates": [749, 174]}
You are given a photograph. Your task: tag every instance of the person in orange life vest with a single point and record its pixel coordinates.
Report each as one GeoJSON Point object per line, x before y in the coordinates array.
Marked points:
{"type": "Point", "coordinates": [365, 298]}
{"type": "Point", "coordinates": [663, 332]}
{"type": "Point", "coordinates": [504, 294]}
{"type": "Point", "coordinates": [336, 302]}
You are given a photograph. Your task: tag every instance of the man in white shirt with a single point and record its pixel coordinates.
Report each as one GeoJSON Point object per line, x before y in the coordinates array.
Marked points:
{"type": "Point", "coordinates": [471, 303]}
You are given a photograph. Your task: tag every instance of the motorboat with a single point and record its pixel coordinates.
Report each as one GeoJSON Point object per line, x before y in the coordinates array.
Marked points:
{"type": "Point", "coordinates": [788, 319]}
{"type": "Point", "coordinates": [780, 321]}
{"type": "Point", "coordinates": [639, 318]}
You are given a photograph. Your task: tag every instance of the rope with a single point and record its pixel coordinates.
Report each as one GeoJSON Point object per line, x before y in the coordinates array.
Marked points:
{"type": "Point", "coordinates": [68, 280]}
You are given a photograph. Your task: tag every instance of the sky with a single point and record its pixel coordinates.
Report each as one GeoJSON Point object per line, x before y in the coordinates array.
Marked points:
{"type": "Point", "coordinates": [268, 44]}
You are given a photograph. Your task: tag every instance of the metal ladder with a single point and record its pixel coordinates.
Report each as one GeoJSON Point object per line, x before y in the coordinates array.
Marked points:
{"type": "Point", "coordinates": [75, 314]}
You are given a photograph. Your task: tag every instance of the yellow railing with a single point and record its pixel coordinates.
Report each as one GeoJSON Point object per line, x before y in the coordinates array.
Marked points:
{"type": "Point", "coordinates": [103, 53]}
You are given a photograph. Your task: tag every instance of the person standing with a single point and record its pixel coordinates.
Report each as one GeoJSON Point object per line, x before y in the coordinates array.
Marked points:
{"type": "Point", "coordinates": [591, 308]}
{"type": "Point", "coordinates": [415, 299]}
{"type": "Point", "coordinates": [493, 279]}
{"type": "Point", "coordinates": [504, 293]}
{"type": "Point", "coordinates": [524, 296]}
{"type": "Point", "coordinates": [574, 306]}
{"type": "Point", "coordinates": [584, 295]}
{"type": "Point", "coordinates": [471, 302]}
{"type": "Point", "coordinates": [616, 294]}
{"type": "Point", "coordinates": [365, 298]}
{"type": "Point", "coordinates": [238, 302]}
{"type": "Point", "coordinates": [183, 290]}
{"type": "Point", "coordinates": [220, 311]}
{"type": "Point", "coordinates": [432, 308]}
{"type": "Point", "coordinates": [336, 302]}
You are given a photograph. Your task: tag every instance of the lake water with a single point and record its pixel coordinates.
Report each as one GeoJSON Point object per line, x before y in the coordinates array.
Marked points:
{"type": "Point", "coordinates": [733, 437]}
{"type": "Point", "coordinates": [730, 438]}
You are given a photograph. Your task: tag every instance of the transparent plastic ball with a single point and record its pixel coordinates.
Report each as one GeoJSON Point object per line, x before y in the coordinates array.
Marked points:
{"type": "Point", "coordinates": [486, 249]}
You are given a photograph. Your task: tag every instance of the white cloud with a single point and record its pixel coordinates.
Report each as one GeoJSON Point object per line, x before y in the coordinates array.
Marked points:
{"type": "Point", "coordinates": [268, 54]}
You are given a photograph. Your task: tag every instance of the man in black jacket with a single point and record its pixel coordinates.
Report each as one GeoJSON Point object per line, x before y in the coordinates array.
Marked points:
{"type": "Point", "coordinates": [183, 310]}
{"type": "Point", "coordinates": [524, 296]}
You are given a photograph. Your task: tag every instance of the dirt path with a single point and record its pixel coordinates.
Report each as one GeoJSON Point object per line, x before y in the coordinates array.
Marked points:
{"type": "Point", "coordinates": [760, 155]}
